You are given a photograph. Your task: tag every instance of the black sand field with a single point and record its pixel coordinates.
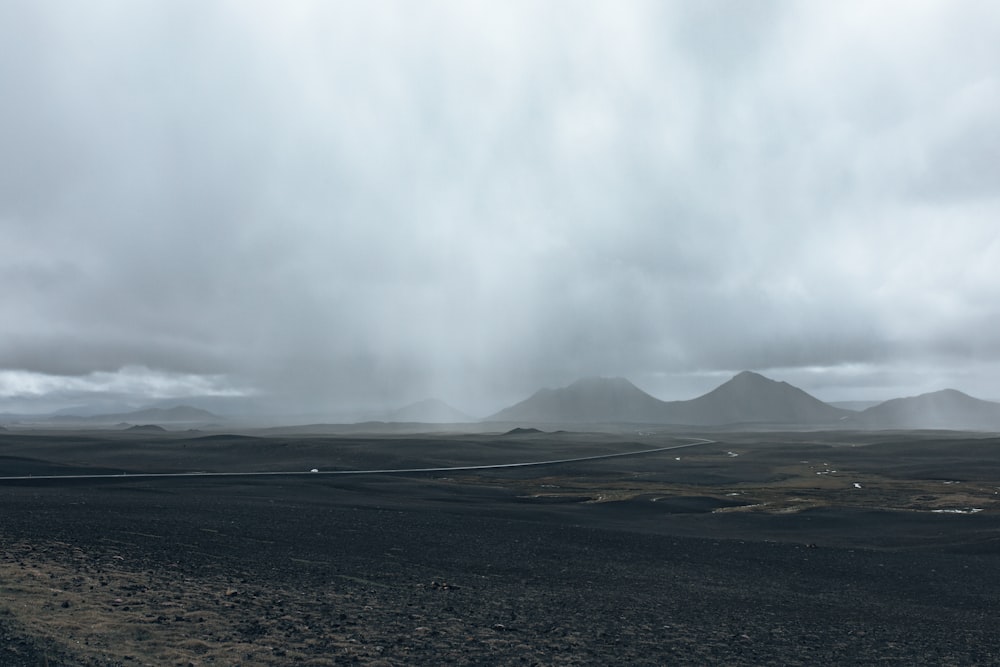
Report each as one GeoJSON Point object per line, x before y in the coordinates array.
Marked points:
{"type": "Point", "coordinates": [786, 548]}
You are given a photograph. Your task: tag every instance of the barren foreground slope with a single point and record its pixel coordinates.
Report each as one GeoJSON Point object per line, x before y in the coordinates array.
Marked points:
{"type": "Point", "coordinates": [758, 549]}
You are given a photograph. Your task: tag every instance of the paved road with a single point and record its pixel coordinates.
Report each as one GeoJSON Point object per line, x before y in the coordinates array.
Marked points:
{"type": "Point", "coordinates": [388, 471]}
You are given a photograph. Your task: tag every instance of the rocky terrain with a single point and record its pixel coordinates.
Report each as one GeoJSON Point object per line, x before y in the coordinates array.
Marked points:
{"type": "Point", "coordinates": [756, 549]}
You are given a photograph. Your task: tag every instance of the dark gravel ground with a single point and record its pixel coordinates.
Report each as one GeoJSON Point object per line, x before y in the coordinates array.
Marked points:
{"type": "Point", "coordinates": [422, 570]}
{"type": "Point", "coordinates": [323, 575]}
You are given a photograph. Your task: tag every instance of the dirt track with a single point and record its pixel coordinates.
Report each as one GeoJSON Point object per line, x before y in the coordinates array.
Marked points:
{"type": "Point", "coordinates": [424, 570]}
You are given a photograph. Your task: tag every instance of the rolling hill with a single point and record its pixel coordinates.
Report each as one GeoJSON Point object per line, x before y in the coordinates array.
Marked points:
{"type": "Point", "coordinates": [945, 409]}
{"type": "Point", "coordinates": [590, 400]}
{"type": "Point", "coordinates": [179, 414]}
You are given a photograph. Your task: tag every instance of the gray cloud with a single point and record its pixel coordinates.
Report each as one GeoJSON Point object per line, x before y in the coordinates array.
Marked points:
{"type": "Point", "coordinates": [349, 205]}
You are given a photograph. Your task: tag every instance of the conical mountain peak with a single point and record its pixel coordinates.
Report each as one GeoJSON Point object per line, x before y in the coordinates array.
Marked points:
{"type": "Point", "coordinates": [588, 400]}
{"type": "Point", "coordinates": [750, 397]}
{"type": "Point", "coordinates": [752, 378]}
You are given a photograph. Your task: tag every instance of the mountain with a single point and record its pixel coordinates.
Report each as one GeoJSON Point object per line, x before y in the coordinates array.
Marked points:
{"type": "Point", "coordinates": [430, 411]}
{"type": "Point", "coordinates": [746, 398]}
{"type": "Point", "coordinates": [591, 400]}
{"type": "Point", "coordinates": [179, 413]}
{"type": "Point", "coordinates": [946, 409]}
{"type": "Point", "coordinates": [752, 398]}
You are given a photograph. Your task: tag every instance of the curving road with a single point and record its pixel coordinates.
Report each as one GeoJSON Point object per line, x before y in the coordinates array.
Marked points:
{"type": "Point", "coordinates": [388, 471]}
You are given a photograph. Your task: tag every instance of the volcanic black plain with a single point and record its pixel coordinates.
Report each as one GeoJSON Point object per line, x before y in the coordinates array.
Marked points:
{"type": "Point", "coordinates": [791, 548]}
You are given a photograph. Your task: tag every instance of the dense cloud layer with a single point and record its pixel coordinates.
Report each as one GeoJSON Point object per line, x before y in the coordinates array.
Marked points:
{"type": "Point", "coordinates": [360, 204]}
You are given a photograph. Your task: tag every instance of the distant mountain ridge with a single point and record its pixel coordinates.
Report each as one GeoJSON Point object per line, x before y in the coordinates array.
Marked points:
{"type": "Point", "coordinates": [945, 409]}
{"type": "Point", "coordinates": [746, 398]}
{"type": "Point", "coordinates": [179, 413]}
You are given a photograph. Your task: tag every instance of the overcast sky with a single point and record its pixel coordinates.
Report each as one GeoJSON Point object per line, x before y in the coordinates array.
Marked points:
{"type": "Point", "coordinates": [355, 204]}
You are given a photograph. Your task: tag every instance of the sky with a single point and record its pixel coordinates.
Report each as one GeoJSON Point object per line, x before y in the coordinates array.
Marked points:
{"type": "Point", "coordinates": [340, 206]}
